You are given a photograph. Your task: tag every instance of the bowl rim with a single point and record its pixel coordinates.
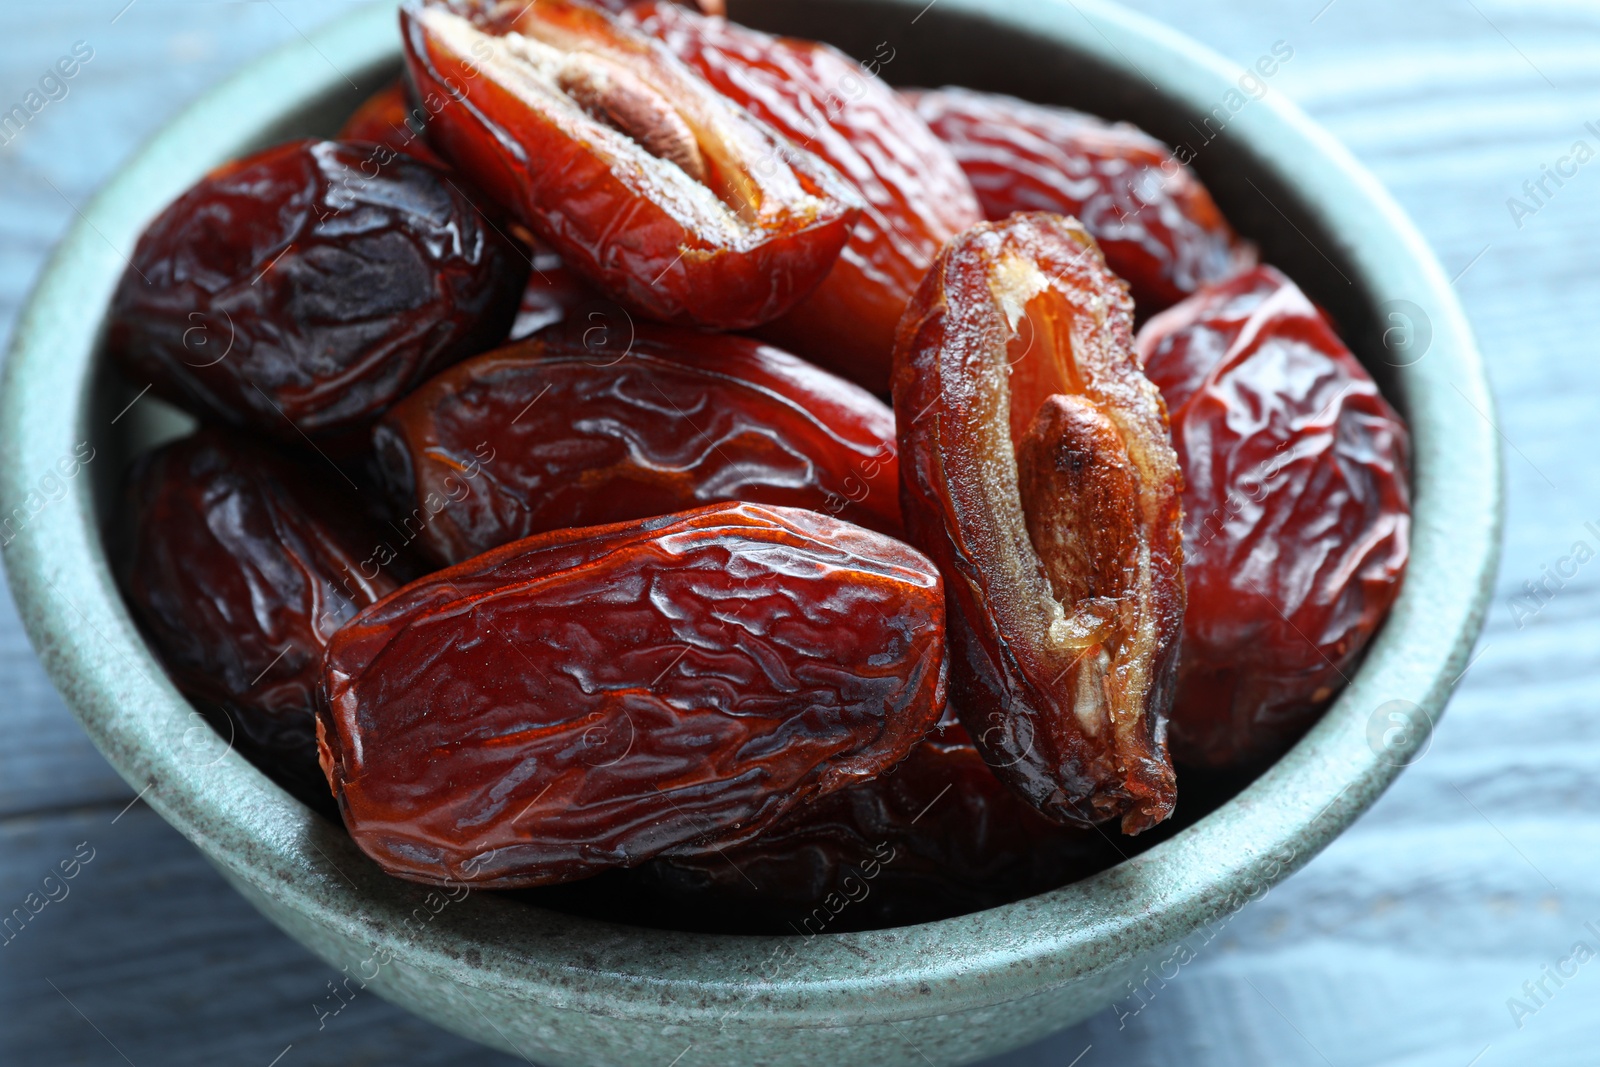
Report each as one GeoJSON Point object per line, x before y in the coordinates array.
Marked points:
{"type": "Point", "coordinates": [243, 823]}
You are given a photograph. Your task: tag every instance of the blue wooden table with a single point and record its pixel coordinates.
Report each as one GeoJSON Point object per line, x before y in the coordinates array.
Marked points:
{"type": "Point", "coordinates": [1441, 931]}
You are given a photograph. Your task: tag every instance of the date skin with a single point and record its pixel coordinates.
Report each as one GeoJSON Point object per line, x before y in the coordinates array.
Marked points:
{"type": "Point", "coordinates": [387, 117]}
{"type": "Point", "coordinates": [936, 836]}
{"type": "Point", "coordinates": [589, 699]}
{"type": "Point", "coordinates": [1159, 229]}
{"type": "Point", "coordinates": [662, 193]}
{"type": "Point", "coordinates": [240, 567]}
{"type": "Point", "coordinates": [916, 195]}
{"type": "Point", "coordinates": [1037, 472]}
{"type": "Point", "coordinates": [304, 289]}
{"type": "Point", "coordinates": [1298, 512]}
{"type": "Point", "coordinates": [585, 426]}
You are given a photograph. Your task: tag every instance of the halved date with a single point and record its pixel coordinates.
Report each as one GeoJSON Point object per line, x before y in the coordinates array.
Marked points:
{"type": "Point", "coordinates": [1297, 507]}
{"type": "Point", "coordinates": [1038, 473]}
{"type": "Point", "coordinates": [240, 567]}
{"type": "Point", "coordinates": [916, 195]}
{"type": "Point", "coordinates": [1157, 225]}
{"type": "Point", "coordinates": [304, 289]}
{"type": "Point", "coordinates": [591, 698]}
{"type": "Point", "coordinates": [661, 192]}
{"type": "Point", "coordinates": [594, 423]}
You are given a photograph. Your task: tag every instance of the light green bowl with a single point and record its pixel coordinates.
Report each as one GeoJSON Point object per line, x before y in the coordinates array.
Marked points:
{"type": "Point", "coordinates": [568, 991]}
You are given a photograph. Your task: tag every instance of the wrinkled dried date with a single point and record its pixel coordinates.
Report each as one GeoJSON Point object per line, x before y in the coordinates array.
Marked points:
{"type": "Point", "coordinates": [306, 288]}
{"type": "Point", "coordinates": [583, 426]}
{"type": "Point", "coordinates": [1038, 473]}
{"type": "Point", "coordinates": [1158, 227]}
{"type": "Point", "coordinates": [935, 836]}
{"type": "Point", "coordinates": [1297, 512]}
{"type": "Point", "coordinates": [241, 566]}
{"type": "Point", "coordinates": [915, 192]}
{"type": "Point", "coordinates": [591, 698]}
{"type": "Point", "coordinates": [665, 195]}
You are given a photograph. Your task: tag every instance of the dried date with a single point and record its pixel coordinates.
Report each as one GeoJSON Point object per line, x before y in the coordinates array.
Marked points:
{"type": "Point", "coordinates": [588, 424]}
{"type": "Point", "coordinates": [240, 567]}
{"type": "Point", "coordinates": [1038, 473]}
{"type": "Point", "coordinates": [1298, 512]}
{"type": "Point", "coordinates": [304, 289]}
{"type": "Point", "coordinates": [937, 835]}
{"type": "Point", "coordinates": [592, 698]}
{"type": "Point", "coordinates": [663, 194]}
{"type": "Point", "coordinates": [1157, 225]}
{"type": "Point", "coordinates": [915, 192]}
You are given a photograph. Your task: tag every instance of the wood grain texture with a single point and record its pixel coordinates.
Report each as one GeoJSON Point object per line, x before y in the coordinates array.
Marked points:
{"type": "Point", "coordinates": [1400, 945]}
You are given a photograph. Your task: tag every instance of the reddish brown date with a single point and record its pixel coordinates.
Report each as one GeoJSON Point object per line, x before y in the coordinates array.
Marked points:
{"type": "Point", "coordinates": [665, 195]}
{"type": "Point", "coordinates": [387, 117]}
{"type": "Point", "coordinates": [1158, 227]}
{"type": "Point", "coordinates": [1038, 473]}
{"type": "Point", "coordinates": [936, 836]}
{"type": "Point", "coordinates": [306, 288]}
{"type": "Point", "coordinates": [241, 566]}
{"type": "Point", "coordinates": [916, 195]}
{"type": "Point", "coordinates": [592, 698]}
{"type": "Point", "coordinates": [1298, 512]}
{"type": "Point", "coordinates": [587, 425]}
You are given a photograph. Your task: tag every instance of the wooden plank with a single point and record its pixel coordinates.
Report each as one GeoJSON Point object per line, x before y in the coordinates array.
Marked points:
{"type": "Point", "coordinates": [146, 954]}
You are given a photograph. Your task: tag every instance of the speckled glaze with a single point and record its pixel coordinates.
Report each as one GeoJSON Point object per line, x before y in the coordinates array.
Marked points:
{"type": "Point", "coordinates": [566, 991]}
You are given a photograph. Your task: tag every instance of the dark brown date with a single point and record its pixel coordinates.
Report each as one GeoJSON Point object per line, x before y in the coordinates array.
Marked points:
{"type": "Point", "coordinates": [592, 698]}
{"type": "Point", "coordinates": [1159, 228]}
{"type": "Point", "coordinates": [1298, 512]}
{"type": "Point", "coordinates": [241, 565]}
{"type": "Point", "coordinates": [306, 288]}
{"type": "Point", "coordinates": [1038, 473]}
{"type": "Point", "coordinates": [587, 425]}
{"type": "Point", "coordinates": [937, 835]}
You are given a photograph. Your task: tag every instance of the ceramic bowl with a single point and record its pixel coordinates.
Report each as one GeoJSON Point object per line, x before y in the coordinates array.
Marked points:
{"type": "Point", "coordinates": [562, 990]}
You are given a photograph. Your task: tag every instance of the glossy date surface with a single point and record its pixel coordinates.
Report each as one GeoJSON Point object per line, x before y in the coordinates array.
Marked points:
{"type": "Point", "coordinates": [583, 426]}
{"type": "Point", "coordinates": [662, 193]}
{"type": "Point", "coordinates": [915, 192]}
{"type": "Point", "coordinates": [1297, 510]}
{"type": "Point", "coordinates": [589, 699]}
{"type": "Point", "coordinates": [1038, 473]}
{"type": "Point", "coordinates": [307, 287]}
{"type": "Point", "coordinates": [1157, 225]}
{"type": "Point", "coordinates": [241, 565]}
{"type": "Point", "coordinates": [936, 835]}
